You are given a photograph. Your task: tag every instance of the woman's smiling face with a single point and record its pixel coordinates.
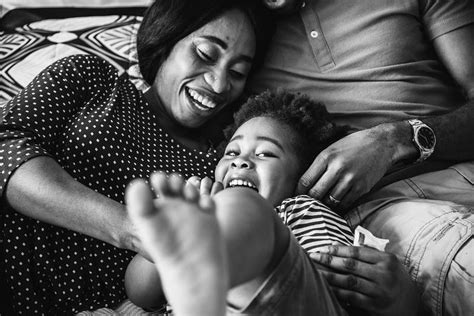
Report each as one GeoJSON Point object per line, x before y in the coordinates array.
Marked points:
{"type": "Point", "coordinates": [207, 69]}
{"type": "Point", "coordinates": [261, 156]}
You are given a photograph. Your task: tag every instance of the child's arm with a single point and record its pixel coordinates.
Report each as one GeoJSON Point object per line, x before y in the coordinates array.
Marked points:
{"type": "Point", "coordinates": [313, 224]}
{"type": "Point", "coordinates": [143, 284]}
{"type": "Point", "coordinates": [369, 279]}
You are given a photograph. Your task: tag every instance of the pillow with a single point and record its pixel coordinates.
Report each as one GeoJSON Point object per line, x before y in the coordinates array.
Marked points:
{"type": "Point", "coordinates": [7, 5]}
{"type": "Point", "coordinates": [27, 49]}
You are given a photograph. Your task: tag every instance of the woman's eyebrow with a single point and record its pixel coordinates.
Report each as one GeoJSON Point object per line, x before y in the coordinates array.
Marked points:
{"type": "Point", "coordinates": [216, 40]}
{"type": "Point", "coordinates": [224, 45]}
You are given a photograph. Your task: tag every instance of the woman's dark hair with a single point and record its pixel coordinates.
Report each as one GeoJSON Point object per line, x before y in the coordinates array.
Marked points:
{"type": "Point", "coordinates": [307, 118]}
{"type": "Point", "coordinates": [166, 22]}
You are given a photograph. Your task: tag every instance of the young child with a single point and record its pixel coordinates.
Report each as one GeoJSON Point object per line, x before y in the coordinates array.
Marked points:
{"type": "Point", "coordinates": [232, 250]}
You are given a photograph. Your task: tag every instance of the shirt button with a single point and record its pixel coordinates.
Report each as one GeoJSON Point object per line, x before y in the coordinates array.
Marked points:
{"type": "Point", "coordinates": [314, 34]}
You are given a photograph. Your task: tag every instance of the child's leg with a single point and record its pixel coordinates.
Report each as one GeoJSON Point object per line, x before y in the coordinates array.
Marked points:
{"type": "Point", "coordinates": [182, 236]}
{"type": "Point", "coordinates": [143, 284]}
{"type": "Point", "coordinates": [255, 239]}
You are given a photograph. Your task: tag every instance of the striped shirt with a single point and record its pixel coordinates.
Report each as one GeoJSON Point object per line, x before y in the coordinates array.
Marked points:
{"type": "Point", "coordinates": [313, 224]}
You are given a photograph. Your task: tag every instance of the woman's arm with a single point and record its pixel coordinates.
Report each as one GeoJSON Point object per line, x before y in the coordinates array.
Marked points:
{"type": "Point", "coordinates": [34, 128]}
{"type": "Point", "coordinates": [41, 189]}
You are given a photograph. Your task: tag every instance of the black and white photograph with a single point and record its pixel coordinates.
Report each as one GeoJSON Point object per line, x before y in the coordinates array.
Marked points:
{"type": "Point", "coordinates": [237, 157]}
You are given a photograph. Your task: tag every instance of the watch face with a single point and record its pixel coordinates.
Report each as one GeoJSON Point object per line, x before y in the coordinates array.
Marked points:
{"type": "Point", "coordinates": [426, 137]}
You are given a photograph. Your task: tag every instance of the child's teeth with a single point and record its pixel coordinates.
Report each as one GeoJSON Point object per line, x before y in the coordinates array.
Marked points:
{"type": "Point", "coordinates": [239, 182]}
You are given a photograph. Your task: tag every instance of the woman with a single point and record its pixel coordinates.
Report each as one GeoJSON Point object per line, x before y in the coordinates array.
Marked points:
{"type": "Point", "coordinates": [75, 137]}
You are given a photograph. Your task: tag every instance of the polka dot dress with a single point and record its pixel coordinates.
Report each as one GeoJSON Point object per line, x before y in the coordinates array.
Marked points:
{"type": "Point", "coordinates": [102, 131]}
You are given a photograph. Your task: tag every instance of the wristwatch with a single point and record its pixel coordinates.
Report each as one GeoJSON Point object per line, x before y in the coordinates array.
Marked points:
{"type": "Point", "coordinates": [424, 139]}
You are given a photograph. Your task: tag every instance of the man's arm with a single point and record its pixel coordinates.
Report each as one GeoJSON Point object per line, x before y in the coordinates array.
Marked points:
{"type": "Point", "coordinates": [455, 131]}
{"type": "Point", "coordinates": [350, 167]}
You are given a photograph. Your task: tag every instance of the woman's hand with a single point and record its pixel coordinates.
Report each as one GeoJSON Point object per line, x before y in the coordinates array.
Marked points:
{"type": "Point", "coordinates": [205, 186]}
{"type": "Point", "coordinates": [369, 279]}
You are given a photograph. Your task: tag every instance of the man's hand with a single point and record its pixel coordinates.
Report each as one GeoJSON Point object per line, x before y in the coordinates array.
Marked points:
{"type": "Point", "coordinates": [350, 167]}
{"type": "Point", "coordinates": [369, 279]}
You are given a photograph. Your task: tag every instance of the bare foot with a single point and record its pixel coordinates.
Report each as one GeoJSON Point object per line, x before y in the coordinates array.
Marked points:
{"type": "Point", "coordinates": [181, 234]}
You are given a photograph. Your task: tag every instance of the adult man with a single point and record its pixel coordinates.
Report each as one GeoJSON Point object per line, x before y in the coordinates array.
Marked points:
{"type": "Point", "coordinates": [401, 74]}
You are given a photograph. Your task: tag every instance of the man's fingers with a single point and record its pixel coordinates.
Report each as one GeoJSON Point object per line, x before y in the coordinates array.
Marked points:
{"type": "Point", "coordinates": [364, 254]}
{"type": "Point", "coordinates": [349, 198]}
{"type": "Point", "coordinates": [321, 188]}
{"type": "Point", "coordinates": [311, 176]}
{"type": "Point", "coordinates": [337, 196]}
{"type": "Point", "coordinates": [351, 282]}
{"type": "Point", "coordinates": [347, 265]}
{"type": "Point", "coordinates": [354, 299]}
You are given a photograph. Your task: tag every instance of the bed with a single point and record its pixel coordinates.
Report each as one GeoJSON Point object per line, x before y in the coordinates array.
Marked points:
{"type": "Point", "coordinates": [32, 38]}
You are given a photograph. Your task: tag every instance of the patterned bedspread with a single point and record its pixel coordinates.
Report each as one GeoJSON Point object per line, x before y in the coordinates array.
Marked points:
{"type": "Point", "coordinates": [28, 48]}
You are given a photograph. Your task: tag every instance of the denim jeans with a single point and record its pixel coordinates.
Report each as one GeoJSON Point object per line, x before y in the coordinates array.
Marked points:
{"type": "Point", "coordinates": [295, 287]}
{"type": "Point", "coordinates": [429, 220]}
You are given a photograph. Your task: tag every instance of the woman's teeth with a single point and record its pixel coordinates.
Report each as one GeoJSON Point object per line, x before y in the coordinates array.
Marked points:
{"type": "Point", "coordinates": [242, 183]}
{"type": "Point", "coordinates": [201, 101]}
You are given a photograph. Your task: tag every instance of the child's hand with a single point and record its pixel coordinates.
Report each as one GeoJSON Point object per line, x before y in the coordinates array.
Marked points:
{"type": "Point", "coordinates": [369, 279]}
{"type": "Point", "coordinates": [205, 186]}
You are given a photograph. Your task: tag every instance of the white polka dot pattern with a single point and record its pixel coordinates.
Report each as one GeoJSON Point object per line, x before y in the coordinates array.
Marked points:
{"type": "Point", "coordinates": [102, 131]}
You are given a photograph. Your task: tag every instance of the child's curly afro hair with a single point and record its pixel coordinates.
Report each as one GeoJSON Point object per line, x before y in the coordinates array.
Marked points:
{"type": "Point", "coordinates": [307, 118]}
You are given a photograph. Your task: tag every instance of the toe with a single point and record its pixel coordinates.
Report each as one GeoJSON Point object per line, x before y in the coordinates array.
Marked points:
{"type": "Point", "coordinates": [159, 183]}
{"type": "Point", "coordinates": [207, 204]}
{"type": "Point", "coordinates": [206, 185]}
{"type": "Point", "coordinates": [191, 193]}
{"type": "Point", "coordinates": [139, 198]}
{"type": "Point", "coordinates": [176, 184]}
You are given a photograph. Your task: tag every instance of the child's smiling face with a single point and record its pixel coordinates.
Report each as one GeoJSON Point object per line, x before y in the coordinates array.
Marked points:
{"type": "Point", "coordinates": [260, 155]}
